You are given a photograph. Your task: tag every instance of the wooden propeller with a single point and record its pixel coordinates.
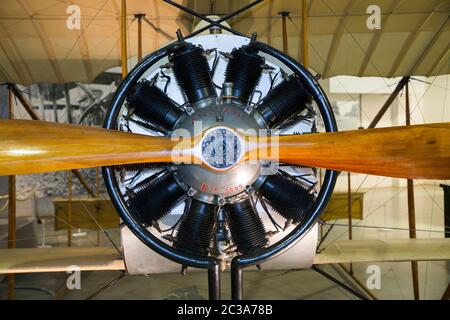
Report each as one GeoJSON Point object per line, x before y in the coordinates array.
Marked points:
{"type": "Point", "coordinates": [28, 146]}
{"type": "Point", "coordinates": [415, 152]}
{"type": "Point", "coordinates": [412, 152]}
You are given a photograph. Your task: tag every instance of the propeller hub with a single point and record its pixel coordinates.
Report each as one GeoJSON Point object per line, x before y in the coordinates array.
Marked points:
{"type": "Point", "coordinates": [223, 174]}
{"type": "Point", "coordinates": [221, 148]}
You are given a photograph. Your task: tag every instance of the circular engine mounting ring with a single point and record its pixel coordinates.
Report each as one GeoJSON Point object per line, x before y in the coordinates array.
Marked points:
{"type": "Point", "coordinates": [207, 262]}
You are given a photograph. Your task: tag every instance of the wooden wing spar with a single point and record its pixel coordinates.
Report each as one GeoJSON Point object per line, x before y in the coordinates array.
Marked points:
{"type": "Point", "coordinates": [105, 258]}
{"type": "Point", "coordinates": [413, 152]}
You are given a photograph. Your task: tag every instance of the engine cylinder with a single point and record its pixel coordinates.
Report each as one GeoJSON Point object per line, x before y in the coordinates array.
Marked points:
{"type": "Point", "coordinates": [192, 72]}
{"type": "Point", "coordinates": [244, 71]}
{"type": "Point", "coordinates": [287, 197]}
{"type": "Point", "coordinates": [153, 198]}
{"type": "Point", "coordinates": [152, 106]}
{"type": "Point", "coordinates": [136, 167]}
{"type": "Point", "coordinates": [284, 101]}
{"type": "Point", "coordinates": [246, 227]}
{"type": "Point", "coordinates": [195, 232]}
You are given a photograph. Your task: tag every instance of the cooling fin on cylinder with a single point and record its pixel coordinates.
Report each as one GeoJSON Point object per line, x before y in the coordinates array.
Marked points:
{"type": "Point", "coordinates": [284, 101]}
{"type": "Point", "coordinates": [244, 71]}
{"type": "Point", "coordinates": [136, 167]}
{"type": "Point", "coordinates": [152, 107]}
{"type": "Point", "coordinates": [246, 227]}
{"type": "Point", "coordinates": [153, 198]}
{"type": "Point", "coordinates": [287, 196]}
{"type": "Point", "coordinates": [195, 230]}
{"type": "Point", "coordinates": [192, 72]}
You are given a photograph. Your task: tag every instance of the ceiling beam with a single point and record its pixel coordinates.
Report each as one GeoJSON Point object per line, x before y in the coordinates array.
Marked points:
{"type": "Point", "coordinates": [5, 73]}
{"type": "Point", "coordinates": [442, 57]}
{"type": "Point", "coordinates": [376, 38]}
{"type": "Point", "coordinates": [230, 9]}
{"type": "Point", "coordinates": [48, 47]}
{"type": "Point", "coordinates": [12, 63]}
{"type": "Point", "coordinates": [108, 16]}
{"type": "Point", "coordinates": [84, 50]}
{"type": "Point", "coordinates": [117, 12]}
{"type": "Point", "coordinates": [337, 39]}
{"type": "Point", "coordinates": [310, 4]}
{"type": "Point", "coordinates": [428, 48]}
{"type": "Point", "coordinates": [300, 38]}
{"type": "Point", "coordinates": [158, 25]}
{"type": "Point", "coordinates": [269, 22]}
{"type": "Point", "coordinates": [21, 61]}
{"type": "Point", "coordinates": [168, 36]}
{"type": "Point", "coordinates": [411, 38]}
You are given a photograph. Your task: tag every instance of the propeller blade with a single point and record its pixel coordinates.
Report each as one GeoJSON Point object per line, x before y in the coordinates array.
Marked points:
{"type": "Point", "coordinates": [411, 152]}
{"type": "Point", "coordinates": [29, 146]}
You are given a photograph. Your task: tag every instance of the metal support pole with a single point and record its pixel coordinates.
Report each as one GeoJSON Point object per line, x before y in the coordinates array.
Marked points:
{"type": "Point", "coordinates": [388, 102]}
{"type": "Point", "coordinates": [214, 282]}
{"type": "Point", "coordinates": [358, 283]}
{"type": "Point", "coordinates": [97, 195]}
{"type": "Point", "coordinates": [40, 94]}
{"type": "Point", "coordinates": [97, 182]}
{"type": "Point", "coordinates": [407, 110]}
{"type": "Point", "coordinates": [168, 36]}
{"type": "Point", "coordinates": [139, 17]}
{"type": "Point", "coordinates": [339, 283]}
{"type": "Point", "coordinates": [446, 189]}
{"type": "Point", "coordinates": [108, 285]}
{"type": "Point", "coordinates": [349, 204]}
{"type": "Point", "coordinates": [11, 204]}
{"type": "Point", "coordinates": [237, 284]}
{"type": "Point", "coordinates": [284, 15]}
{"type": "Point", "coordinates": [25, 103]}
{"type": "Point", "coordinates": [211, 22]}
{"type": "Point", "coordinates": [360, 112]}
{"type": "Point", "coordinates": [69, 208]}
{"type": "Point", "coordinates": [305, 51]}
{"type": "Point", "coordinates": [123, 37]}
{"type": "Point", "coordinates": [411, 207]}
{"type": "Point", "coordinates": [68, 105]}
{"type": "Point", "coordinates": [55, 105]}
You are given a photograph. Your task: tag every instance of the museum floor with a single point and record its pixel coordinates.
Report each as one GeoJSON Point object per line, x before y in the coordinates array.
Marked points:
{"type": "Point", "coordinates": [385, 212]}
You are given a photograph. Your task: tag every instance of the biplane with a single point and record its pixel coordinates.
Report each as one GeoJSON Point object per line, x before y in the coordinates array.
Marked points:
{"type": "Point", "coordinates": [211, 147]}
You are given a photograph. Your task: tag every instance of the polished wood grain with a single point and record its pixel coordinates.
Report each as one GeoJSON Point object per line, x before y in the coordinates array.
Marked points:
{"type": "Point", "coordinates": [412, 152]}
{"type": "Point", "coordinates": [28, 146]}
